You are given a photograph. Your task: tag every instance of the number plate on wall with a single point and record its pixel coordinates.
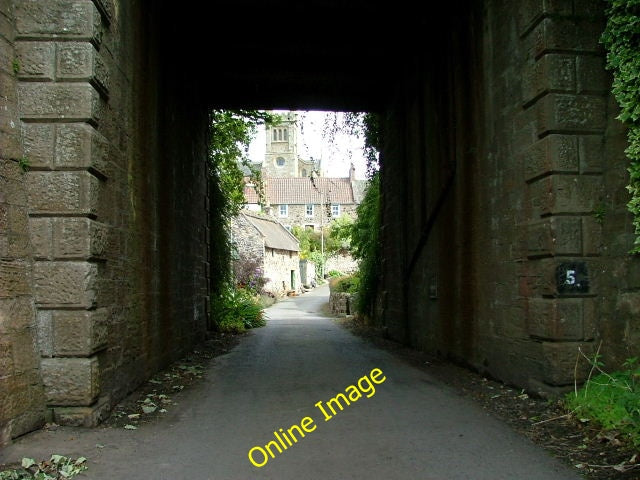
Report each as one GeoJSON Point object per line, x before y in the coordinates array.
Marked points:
{"type": "Point", "coordinates": [572, 278]}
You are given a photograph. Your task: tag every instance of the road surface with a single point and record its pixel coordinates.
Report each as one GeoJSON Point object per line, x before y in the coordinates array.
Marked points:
{"type": "Point", "coordinates": [399, 423]}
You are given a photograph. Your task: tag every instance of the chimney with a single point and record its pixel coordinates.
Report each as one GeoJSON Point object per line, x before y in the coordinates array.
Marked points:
{"type": "Point", "coordinates": [352, 172]}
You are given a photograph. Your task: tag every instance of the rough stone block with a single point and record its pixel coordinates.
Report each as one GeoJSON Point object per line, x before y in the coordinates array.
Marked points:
{"type": "Point", "coordinates": [551, 73]}
{"type": "Point", "coordinates": [10, 139]}
{"type": "Point", "coordinates": [38, 144]}
{"type": "Point", "coordinates": [82, 416]}
{"type": "Point", "coordinates": [53, 101]}
{"type": "Point", "coordinates": [70, 381]}
{"type": "Point", "coordinates": [552, 154]}
{"type": "Point", "coordinates": [6, 54]}
{"type": "Point", "coordinates": [591, 75]}
{"type": "Point", "coordinates": [591, 152]}
{"type": "Point", "coordinates": [25, 359]}
{"type": "Point", "coordinates": [65, 284]}
{"type": "Point", "coordinates": [16, 315]}
{"type": "Point", "coordinates": [530, 12]}
{"type": "Point", "coordinates": [36, 60]}
{"type": "Point", "coordinates": [79, 333]}
{"type": "Point", "coordinates": [73, 19]}
{"type": "Point", "coordinates": [78, 238]}
{"type": "Point", "coordinates": [32, 414]}
{"type": "Point", "coordinates": [571, 113]}
{"type": "Point", "coordinates": [559, 362]}
{"type": "Point", "coordinates": [554, 236]}
{"type": "Point", "coordinates": [45, 332]}
{"type": "Point", "coordinates": [554, 34]}
{"type": "Point", "coordinates": [80, 145]}
{"type": "Point", "coordinates": [565, 194]}
{"type": "Point", "coordinates": [556, 319]}
{"type": "Point", "coordinates": [41, 233]}
{"type": "Point", "coordinates": [63, 193]}
{"type": "Point", "coordinates": [566, 235]}
{"type": "Point", "coordinates": [77, 61]}
{"type": "Point", "coordinates": [592, 243]}
{"type": "Point", "coordinates": [6, 359]}
{"type": "Point", "coordinates": [14, 278]}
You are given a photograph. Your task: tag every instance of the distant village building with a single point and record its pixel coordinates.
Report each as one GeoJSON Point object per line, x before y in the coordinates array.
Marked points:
{"type": "Point", "coordinates": [275, 250]}
{"type": "Point", "coordinates": [295, 193]}
{"type": "Point", "coordinates": [281, 154]}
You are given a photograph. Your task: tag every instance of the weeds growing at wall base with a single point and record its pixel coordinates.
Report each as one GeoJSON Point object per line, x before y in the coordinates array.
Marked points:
{"type": "Point", "coordinates": [612, 400]}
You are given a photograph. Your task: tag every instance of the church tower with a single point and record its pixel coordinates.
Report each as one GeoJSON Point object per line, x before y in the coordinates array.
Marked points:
{"type": "Point", "coordinates": [281, 153]}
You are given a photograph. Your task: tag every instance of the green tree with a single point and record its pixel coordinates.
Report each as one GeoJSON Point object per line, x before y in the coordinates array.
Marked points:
{"type": "Point", "coordinates": [340, 233]}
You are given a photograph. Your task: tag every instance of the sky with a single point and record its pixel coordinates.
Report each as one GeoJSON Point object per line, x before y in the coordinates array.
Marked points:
{"type": "Point", "coordinates": [336, 157]}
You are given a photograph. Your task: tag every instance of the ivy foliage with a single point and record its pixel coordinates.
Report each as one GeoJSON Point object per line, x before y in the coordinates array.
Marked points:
{"type": "Point", "coordinates": [365, 246]}
{"type": "Point", "coordinates": [231, 132]}
{"type": "Point", "coordinates": [621, 38]}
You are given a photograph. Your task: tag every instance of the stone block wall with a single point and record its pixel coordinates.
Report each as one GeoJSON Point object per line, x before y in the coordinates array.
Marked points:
{"type": "Point", "coordinates": [505, 232]}
{"type": "Point", "coordinates": [113, 210]}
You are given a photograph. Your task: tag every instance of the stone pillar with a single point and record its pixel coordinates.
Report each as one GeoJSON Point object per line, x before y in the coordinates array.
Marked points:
{"type": "Point", "coordinates": [564, 96]}
{"type": "Point", "coordinates": [62, 92]}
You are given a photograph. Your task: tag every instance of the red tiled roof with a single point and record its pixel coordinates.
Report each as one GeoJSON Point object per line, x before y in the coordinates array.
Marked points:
{"type": "Point", "coordinates": [301, 190]}
{"type": "Point", "coordinates": [250, 194]}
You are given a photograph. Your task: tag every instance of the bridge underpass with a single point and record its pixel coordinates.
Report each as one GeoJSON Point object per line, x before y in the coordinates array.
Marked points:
{"type": "Point", "coordinates": [500, 146]}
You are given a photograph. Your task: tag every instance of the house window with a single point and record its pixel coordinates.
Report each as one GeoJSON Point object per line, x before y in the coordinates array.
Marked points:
{"type": "Point", "coordinates": [304, 172]}
{"type": "Point", "coordinates": [275, 134]}
{"type": "Point", "coordinates": [335, 210]}
{"type": "Point", "coordinates": [280, 161]}
{"type": "Point", "coordinates": [309, 210]}
{"type": "Point", "coordinates": [284, 210]}
{"type": "Point", "coordinates": [286, 134]}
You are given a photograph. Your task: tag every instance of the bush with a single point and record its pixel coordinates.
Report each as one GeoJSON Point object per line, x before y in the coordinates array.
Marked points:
{"type": "Point", "coordinates": [248, 274]}
{"type": "Point", "coordinates": [334, 273]}
{"type": "Point", "coordinates": [612, 400]}
{"type": "Point", "coordinates": [349, 284]}
{"type": "Point", "coordinates": [237, 310]}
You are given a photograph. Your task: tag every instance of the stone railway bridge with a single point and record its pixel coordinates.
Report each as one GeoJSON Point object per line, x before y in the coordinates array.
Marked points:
{"type": "Point", "coordinates": [505, 231]}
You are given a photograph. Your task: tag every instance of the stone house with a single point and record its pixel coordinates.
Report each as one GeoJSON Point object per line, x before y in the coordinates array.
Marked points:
{"type": "Point", "coordinates": [275, 249]}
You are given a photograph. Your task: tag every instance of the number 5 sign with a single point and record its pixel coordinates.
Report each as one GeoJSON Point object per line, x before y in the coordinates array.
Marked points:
{"type": "Point", "coordinates": [572, 278]}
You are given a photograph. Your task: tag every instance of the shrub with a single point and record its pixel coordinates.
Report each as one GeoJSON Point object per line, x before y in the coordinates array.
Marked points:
{"type": "Point", "coordinates": [237, 310]}
{"type": "Point", "coordinates": [248, 274]}
{"type": "Point", "coordinates": [334, 273]}
{"type": "Point", "coordinates": [348, 284]}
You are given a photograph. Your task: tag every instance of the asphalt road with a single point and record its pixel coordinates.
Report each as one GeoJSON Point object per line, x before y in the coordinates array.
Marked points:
{"type": "Point", "coordinates": [409, 427]}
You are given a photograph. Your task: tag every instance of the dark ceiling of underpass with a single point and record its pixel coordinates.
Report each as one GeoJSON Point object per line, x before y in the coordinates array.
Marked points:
{"type": "Point", "coordinates": [317, 54]}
